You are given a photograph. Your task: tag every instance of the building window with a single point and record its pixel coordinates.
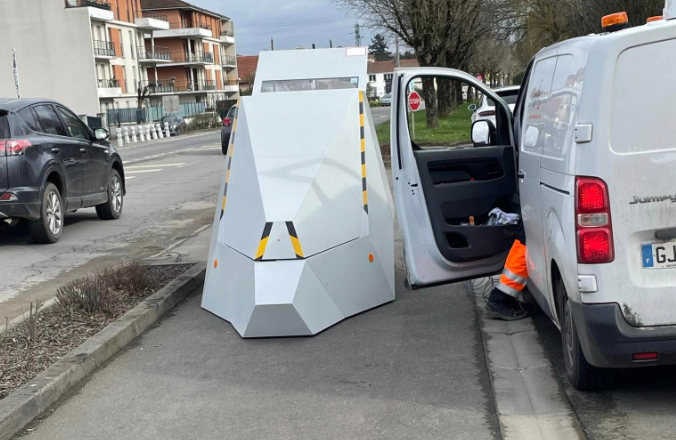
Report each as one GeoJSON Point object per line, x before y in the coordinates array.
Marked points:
{"type": "Point", "coordinates": [131, 43]}
{"type": "Point", "coordinates": [388, 77]}
{"type": "Point", "coordinates": [372, 78]}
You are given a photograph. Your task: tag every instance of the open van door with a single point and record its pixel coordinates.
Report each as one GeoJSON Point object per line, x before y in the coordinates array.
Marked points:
{"type": "Point", "coordinates": [441, 189]}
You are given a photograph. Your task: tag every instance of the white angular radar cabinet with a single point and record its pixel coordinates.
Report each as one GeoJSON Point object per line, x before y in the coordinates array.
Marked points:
{"type": "Point", "coordinates": [303, 233]}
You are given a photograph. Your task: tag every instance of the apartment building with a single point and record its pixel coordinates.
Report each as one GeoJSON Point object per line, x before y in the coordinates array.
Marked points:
{"type": "Point", "coordinates": [200, 49]}
{"type": "Point", "coordinates": [93, 55]}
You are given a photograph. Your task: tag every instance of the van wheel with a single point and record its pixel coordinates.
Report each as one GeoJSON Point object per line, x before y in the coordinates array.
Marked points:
{"type": "Point", "coordinates": [112, 209]}
{"type": "Point", "coordinates": [581, 374]}
{"type": "Point", "coordinates": [49, 227]}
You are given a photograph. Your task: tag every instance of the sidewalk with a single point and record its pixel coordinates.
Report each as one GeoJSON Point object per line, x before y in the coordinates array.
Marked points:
{"type": "Point", "coordinates": [414, 368]}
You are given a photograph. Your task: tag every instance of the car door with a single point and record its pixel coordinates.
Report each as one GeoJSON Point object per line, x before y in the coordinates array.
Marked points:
{"type": "Point", "coordinates": [64, 150]}
{"type": "Point", "coordinates": [439, 192]}
{"type": "Point", "coordinates": [94, 156]}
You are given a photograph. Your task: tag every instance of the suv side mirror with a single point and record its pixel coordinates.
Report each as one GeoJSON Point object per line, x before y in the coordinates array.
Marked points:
{"type": "Point", "coordinates": [472, 107]}
{"type": "Point", "coordinates": [481, 133]}
{"type": "Point", "coordinates": [101, 134]}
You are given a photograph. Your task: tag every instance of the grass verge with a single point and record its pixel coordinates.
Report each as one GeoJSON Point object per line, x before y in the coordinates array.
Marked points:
{"type": "Point", "coordinates": [84, 307]}
{"type": "Point", "coordinates": [454, 129]}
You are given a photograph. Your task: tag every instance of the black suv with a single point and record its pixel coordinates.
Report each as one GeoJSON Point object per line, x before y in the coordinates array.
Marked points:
{"type": "Point", "coordinates": [52, 163]}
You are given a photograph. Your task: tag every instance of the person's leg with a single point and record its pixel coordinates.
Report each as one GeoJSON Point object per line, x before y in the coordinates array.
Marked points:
{"type": "Point", "coordinates": [502, 302]}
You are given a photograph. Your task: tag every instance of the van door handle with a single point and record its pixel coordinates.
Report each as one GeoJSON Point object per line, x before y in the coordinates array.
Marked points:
{"type": "Point", "coordinates": [521, 174]}
{"type": "Point", "coordinates": [56, 151]}
{"type": "Point", "coordinates": [83, 150]}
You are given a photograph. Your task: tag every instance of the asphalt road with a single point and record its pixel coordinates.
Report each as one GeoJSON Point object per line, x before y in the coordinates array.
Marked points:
{"type": "Point", "coordinates": [171, 189]}
{"type": "Point", "coordinates": [380, 114]}
{"type": "Point", "coordinates": [411, 369]}
{"type": "Point", "coordinates": [641, 405]}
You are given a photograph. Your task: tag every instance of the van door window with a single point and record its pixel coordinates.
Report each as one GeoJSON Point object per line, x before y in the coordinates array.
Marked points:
{"type": "Point", "coordinates": [537, 99]}
{"type": "Point", "coordinates": [566, 89]}
{"type": "Point", "coordinates": [51, 124]}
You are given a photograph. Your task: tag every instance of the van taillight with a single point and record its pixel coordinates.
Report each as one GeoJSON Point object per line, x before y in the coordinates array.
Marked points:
{"type": "Point", "coordinates": [14, 147]}
{"type": "Point", "coordinates": [227, 122]}
{"type": "Point", "coordinates": [487, 113]}
{"type": "Point", "coordinates": [593, 222]}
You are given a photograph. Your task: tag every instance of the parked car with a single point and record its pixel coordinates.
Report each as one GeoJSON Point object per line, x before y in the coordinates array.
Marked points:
{"type": "Point", "coordinates": [485, 110]}
{"type": "Point", "coordinates": [52, 163]}
{"type": "Point", "coordinates": [386, 100]}
{"type": "Point", "coordinates": [226, 129]}
{"type": "Point", "coordinates": [588, 158]}
{"type": "Point", "coordinates": [176, 123]}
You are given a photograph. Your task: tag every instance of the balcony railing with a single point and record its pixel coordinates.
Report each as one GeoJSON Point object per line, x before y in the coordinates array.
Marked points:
{"type": "Point", "coordinates": [104, 48]}
{"type": "Point", "coordinates": [188, 25]}
{"type": "Point", "coordinates": [173, 86]}
{"type": "Point", "coordinates": [109, 83]}
{"type": "Point", "coordinates": [84, 3]}
{"type": "Point", "coordinates": [230, 82]}
{"type": "Point", "coordinates": [156, 53]}
{"type": "Point", "coordinates": [228, 60]}
{"type": "Point", "coordinates": [228, 33]}
{"type": "Point", "coordinates": [189, 57]}
{"type": "Point", "coordinates": [153, 15]}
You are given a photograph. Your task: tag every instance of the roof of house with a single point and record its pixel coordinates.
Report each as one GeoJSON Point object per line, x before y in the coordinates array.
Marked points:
{"type": "Point", "coordinates": [149, 5]}
{"type": "Point", "coordinates": [246, 65]}
{"type": "Point", "coordinates": [389, 66]}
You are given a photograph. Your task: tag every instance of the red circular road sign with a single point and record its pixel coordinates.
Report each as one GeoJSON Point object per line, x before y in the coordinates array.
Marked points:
{"type": "Point", "coordinates": [414, 101]}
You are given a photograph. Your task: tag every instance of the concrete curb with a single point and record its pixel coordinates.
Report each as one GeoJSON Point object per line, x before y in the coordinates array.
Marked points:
{"type": "Point", "coordinates": [529, 399]}
{"type": "Point", "coordinates": [25, 404]}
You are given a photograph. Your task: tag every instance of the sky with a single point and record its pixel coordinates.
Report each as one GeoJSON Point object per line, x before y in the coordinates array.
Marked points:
{"type": "Point", "coordinates": [291, 23]}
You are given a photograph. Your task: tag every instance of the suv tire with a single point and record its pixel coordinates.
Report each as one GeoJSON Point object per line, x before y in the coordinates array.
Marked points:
{"type": "Point", "coordinates": [112, 209]}
{"type": "Point", "coordinates": [581, 374]}
{"type": "Point", "coordinates": [49, 227]}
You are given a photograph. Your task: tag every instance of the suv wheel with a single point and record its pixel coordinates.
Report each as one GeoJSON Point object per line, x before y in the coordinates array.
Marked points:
{"type": "Point", "coordinates": [49, 227]}
{"type": "Point", "coordinates": [112, 209]}
{"type": "Point", "coordinates": [581, 374]}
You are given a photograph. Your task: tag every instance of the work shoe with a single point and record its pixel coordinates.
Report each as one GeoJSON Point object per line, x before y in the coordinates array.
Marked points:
{"type": "Point", "coordinates": [505, 307]}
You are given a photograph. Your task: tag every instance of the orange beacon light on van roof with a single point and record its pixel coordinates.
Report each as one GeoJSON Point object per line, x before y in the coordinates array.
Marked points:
{"type": "Point", "coordinates": [615, 22]}
{"type": "Point", "coordinates": [655, 18]}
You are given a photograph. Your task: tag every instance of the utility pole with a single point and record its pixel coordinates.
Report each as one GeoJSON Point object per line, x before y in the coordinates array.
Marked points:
{"type": "Point", "coordinates": [396, 57]}
{"type": "Point", "coordinates": [357, 35]}
{"type": "Point", "coordinates": [272, 44]}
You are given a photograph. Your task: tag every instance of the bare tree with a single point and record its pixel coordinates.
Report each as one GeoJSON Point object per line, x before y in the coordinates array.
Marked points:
{"type": "Point", "coordinates": [443, 33]}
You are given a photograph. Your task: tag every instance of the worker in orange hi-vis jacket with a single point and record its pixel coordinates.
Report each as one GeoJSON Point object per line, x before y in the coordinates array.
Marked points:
{"type": "Point", "coordinates": [503, 302]}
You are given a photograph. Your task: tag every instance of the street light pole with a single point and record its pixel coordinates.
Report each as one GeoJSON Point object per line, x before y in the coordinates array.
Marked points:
{"type": "Point", "coordinates": [16, 75]}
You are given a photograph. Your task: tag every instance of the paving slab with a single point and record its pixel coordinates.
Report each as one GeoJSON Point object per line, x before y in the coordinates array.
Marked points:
{"type": "Point", "coordinates": [529, 398]}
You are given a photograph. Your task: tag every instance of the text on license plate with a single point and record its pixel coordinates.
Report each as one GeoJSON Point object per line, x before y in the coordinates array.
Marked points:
{"type": "Point", "coordinates": [659, 256]}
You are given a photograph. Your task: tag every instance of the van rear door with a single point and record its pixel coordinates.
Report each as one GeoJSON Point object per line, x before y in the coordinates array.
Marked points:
{"type": "Point", "coordinates": [634, 152]}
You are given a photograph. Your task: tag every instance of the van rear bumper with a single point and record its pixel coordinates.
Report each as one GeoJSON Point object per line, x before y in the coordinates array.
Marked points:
{"type": "Point", "coordinates": [608, 341]}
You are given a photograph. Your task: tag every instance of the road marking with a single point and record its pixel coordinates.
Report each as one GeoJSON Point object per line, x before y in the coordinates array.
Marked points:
{"type": "Point", "coordinates": [130, 177]}
{"type": "Point", "coordinates": [155, 166]}
{"type": "Point", "coordinates": [144, 171]}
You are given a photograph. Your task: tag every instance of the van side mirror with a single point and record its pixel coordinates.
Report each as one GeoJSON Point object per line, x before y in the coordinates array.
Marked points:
{"type": "Point", "coordinates": [472, 107]}
{"type": "Point", "coordinates": [101, 134]}
{"type": "Point", "coordinates": [481, 133]}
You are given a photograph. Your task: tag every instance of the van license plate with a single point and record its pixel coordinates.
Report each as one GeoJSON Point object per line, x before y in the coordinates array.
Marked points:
{"type": "Point", "coordinates": [659, 256]}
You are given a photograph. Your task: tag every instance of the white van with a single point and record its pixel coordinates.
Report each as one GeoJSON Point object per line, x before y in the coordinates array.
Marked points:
{"type": "Point", "coordinates": [590, 157]}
